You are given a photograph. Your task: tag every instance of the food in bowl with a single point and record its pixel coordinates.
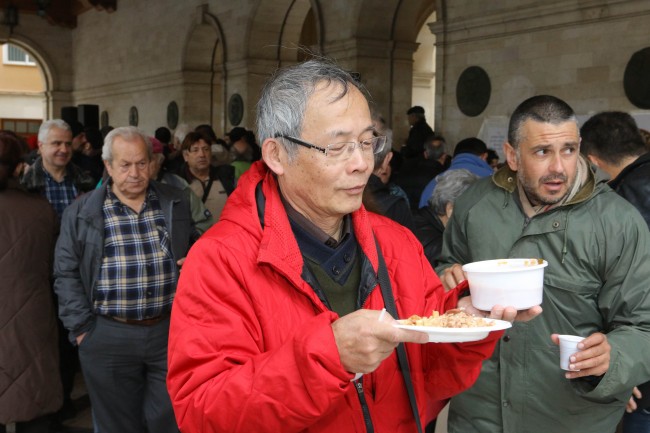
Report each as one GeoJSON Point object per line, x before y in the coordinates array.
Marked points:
{"type": "Point", "coordinates": [455, 318]}
{"type": "Point", "coordinates": [507, 282]}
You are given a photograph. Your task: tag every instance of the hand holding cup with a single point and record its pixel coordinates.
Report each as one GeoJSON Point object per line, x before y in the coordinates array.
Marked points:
{"type": "Point", "coordinates": [592, 357]}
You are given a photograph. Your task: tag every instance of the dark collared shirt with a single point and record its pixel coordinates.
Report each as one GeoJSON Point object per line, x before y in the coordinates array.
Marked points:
{"type": "Point", "coordinates": [59, 194]}
{"type": "Point", "coordinates": [315, 231]}
{"type": "Point", "coordinates": [332, 268]}
{"type": "Point", "coordinates": [138, 271]}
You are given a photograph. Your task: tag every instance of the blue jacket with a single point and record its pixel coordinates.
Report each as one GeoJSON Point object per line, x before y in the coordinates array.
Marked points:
{"type": "Point", "coordinates": [467, 161]}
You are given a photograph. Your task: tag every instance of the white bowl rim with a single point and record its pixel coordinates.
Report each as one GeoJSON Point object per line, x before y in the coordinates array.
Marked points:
{"type": "Point", "coordinates": [502, 269]}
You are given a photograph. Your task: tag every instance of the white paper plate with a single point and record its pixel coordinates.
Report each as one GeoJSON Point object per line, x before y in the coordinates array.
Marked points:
{"type": "Point", "coordinates": [457, 335]}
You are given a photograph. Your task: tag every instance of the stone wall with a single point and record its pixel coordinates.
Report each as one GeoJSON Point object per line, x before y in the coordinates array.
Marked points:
{"type": "Point", "coordinates": [574, 50]}
{"type": "Point", "coordinates": [146, 56]}
{"type": "Point", "coordinates": [199, 53]}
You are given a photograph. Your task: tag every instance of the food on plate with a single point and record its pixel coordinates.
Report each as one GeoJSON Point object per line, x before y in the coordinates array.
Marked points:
{"type": "Point", "coordinates": [455, 318]}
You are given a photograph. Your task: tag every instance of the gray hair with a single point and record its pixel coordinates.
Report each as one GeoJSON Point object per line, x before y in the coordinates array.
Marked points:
{"type": "Point", "coordinates": [541, 108]}
{"type": "Point", "coordinates": [46, 126]}
{"type": "Point", "coordinates": [127, 133]}
{"type": "Point", "coordinates": [450, 185]}
{"type": "Point", "coordinates": [381, 155]}
{"type": "Point", "coordinates": [434, 152]}
{"type": "Point", "coordinates": [282, 104]}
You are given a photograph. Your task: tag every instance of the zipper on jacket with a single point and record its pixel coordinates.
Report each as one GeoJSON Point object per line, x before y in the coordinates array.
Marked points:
{"type": "Point", "coordinates": [364, 406]}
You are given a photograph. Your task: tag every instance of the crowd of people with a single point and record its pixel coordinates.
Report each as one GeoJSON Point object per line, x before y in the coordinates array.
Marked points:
{"type": "Point", "coordinates": [123, 208]}
{"type": "Point", "coordinates": [210, 285]}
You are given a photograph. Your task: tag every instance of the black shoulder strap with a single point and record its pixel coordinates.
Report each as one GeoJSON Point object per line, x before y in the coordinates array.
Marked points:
{"type": "Point", "coordinates": [206, 190]}
{"type": "Point", "coordinates": [389, 302]}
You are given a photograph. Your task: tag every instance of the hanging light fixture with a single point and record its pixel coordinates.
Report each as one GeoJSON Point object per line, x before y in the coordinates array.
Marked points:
{"type": "Point", "coordinates": [11, 17]}
{"type": "Point", "coordinates": [42, 6]}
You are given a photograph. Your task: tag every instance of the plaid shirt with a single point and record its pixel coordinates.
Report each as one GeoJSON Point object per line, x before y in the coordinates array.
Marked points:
{"type": "Point", "coordinates": [59, 194]}
{"type": "Point", "coordinates": [138, 272]}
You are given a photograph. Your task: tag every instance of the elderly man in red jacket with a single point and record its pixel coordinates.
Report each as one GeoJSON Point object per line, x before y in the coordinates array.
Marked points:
{"type": "Point", "coordinates": [277, 312]}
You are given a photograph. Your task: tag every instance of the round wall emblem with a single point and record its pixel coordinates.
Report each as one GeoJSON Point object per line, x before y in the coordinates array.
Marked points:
{"type": "Point", "coordinates": [172, 115]}
{"type": "Point", "coordinates": [635, 80]}
{"type": "Point", "coordinates": [133, 116]}
{"type": "Point", "coordinates": [103, 119]}
{"type": "Point", "coordinates": [473, 91]}
{"type": "Point", "coordinates": [235, 109]}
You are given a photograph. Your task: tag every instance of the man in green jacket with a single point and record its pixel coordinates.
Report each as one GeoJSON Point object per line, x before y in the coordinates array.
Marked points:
{"type": "Point", "coordinates": [547, 203]}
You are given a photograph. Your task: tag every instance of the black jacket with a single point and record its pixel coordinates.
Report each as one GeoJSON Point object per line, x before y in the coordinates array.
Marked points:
{"type": "Point", "coordinates": [429, 230]}
{"type": "Point", "coordinates": [34, 179]}
{"type": "Point", "coordinates": [419, 132]}
{"type": "Point", "coordinates": [633, 184]}
{"type": "Point", "coordinates": [379, 199]}
{"type": "Point", "coordinates": [414, 175]}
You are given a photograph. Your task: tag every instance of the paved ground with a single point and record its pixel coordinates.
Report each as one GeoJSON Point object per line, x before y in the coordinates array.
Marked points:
{"type": "Point", "coordinates": [82, 422]}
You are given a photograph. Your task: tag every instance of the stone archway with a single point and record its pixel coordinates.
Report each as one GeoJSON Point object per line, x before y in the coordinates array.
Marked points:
{"type": "Point", "coordinates": [300, 24]}
{"type": "Point", "coordinates": [273, 37]}
{"type": "Point", "coordinates": [300, 35]}
{"type": "Point", "coordinates": [204, 61]}
{"type": "Point", "coordinates": [424, 65]}
{"type": "Point", "coordinates": [52, 100]}
{"type": "Point", "coordinates": [405, 19]}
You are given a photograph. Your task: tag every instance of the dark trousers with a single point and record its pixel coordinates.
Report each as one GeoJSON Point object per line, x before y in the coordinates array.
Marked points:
{"type": "Point", "coordinates": [68, 363]}
{"type": "Point", "coordinates": [637, 421]}
{"type": "Point", "coordinates": [68, 367]}
{"type": "Point", "coordinates": [125, 367]}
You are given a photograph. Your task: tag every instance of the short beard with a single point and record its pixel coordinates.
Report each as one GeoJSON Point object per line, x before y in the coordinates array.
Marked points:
{"type": "Point", "coordinates": [534, 198]}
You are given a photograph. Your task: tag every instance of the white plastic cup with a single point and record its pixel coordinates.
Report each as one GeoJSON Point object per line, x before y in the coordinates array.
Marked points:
{"type": "Point", "coordinates": [568, 347]}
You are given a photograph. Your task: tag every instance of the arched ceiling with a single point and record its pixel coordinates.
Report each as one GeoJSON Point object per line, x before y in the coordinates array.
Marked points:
{"type": "Point", "coordinates": [288, 15]}
{"type": "Point", "coordinates": [57, 12]}
{"type": "Point", "coordinates": [405, 18]}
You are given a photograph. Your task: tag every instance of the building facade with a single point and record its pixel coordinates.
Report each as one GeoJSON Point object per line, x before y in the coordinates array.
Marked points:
{"type": "Point", "coordinates": [203, 61]}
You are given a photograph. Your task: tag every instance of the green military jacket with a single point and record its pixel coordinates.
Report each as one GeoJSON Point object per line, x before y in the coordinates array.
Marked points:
{"type": "Point", "coordinates": [597, 280]}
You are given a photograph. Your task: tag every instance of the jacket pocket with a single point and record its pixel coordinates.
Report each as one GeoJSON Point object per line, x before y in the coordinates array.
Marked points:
{"type": "Point", "coordinates": [578, 286]}
{"type": "Point", "coordinates": [571, 307]}
{"type": "Point", "coordinates": [544, 377]}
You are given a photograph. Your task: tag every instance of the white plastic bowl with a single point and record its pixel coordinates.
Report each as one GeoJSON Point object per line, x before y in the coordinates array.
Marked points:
{"type": "Point", "coordinates": [508, 282]}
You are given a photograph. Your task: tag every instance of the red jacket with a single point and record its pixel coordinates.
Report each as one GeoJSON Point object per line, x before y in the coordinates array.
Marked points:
{"type": "Point", "coordinates": [251, 347]}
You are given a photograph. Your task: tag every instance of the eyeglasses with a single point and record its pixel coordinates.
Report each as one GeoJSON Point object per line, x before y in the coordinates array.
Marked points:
{"type": "Point", "coordinates": [342, 151]}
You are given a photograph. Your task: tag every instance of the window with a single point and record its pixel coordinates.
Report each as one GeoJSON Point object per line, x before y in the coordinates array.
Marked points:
{"type": "Point", "coordinates": [22, 127]}
{"type": "Point", "coordinates": [13, 55]}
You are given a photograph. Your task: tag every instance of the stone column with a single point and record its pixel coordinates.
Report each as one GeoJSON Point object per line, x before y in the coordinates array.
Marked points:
{"type": "Point", "coordinates": [401, 89]}
{"type": "Point", "coordinates": [438, 29]}
{"type": "Point", "coordinates": [386, 69]}
{"type": "Point", "coordinates": [55, 100]}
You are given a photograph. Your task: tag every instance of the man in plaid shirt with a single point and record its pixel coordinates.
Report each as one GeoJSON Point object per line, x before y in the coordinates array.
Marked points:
{"type": "Point", "coordinates": [117, 262]}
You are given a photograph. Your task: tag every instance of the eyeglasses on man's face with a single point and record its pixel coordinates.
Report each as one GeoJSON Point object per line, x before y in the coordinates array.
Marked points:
{"type": "Point", "coordinates": [342, 151]}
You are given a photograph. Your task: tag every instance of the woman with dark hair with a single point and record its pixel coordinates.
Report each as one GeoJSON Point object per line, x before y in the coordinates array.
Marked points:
{"type": "Point", "coordinates": [30, 387]}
